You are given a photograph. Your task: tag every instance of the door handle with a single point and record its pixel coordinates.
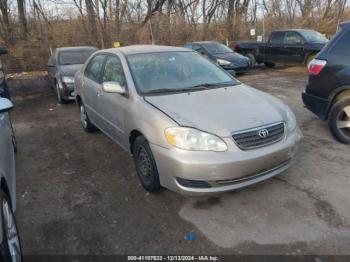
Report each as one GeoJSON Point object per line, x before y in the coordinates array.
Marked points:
{"type": "Point", "coordinates": [99, 93]}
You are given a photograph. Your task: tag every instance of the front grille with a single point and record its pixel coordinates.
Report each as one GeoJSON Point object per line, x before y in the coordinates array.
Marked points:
{"type": "Point", "coordinates": [260, 136]}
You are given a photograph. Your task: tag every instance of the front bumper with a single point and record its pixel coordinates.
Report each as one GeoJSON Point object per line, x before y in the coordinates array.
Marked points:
{"type": "Point", "coordinates": [316, 104]}
{"type": "Point", "coordinates": [199, 173]}
{"type": "Point", "coordinates": [68, 91]}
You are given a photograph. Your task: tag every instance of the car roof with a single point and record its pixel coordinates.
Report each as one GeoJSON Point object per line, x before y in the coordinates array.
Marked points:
{"type": "Point", "coordinates": [294, 30]}
{"type": "Point", "coordinates": [205, 42]}
{"type": "Point", "coordinates": [346, 23]}
{"type": "Point", "coordinates": [143, 49]}
{"type": "Point", "coordinates": [71, 48]}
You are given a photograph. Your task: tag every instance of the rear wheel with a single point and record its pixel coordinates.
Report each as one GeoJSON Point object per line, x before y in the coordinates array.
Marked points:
{"type": "Point", "coordinates": [339, 120]}
{"type": "Point", "coordinates": [85, 121]}
{"type": "Point", "coordinates": [145, 165]}
{"type": "Point", "coordinates": [11, 245]}
{"type": "Point", "coordinates": [269, 64]}
{"type": "Point", "coordinates": [252, 60]}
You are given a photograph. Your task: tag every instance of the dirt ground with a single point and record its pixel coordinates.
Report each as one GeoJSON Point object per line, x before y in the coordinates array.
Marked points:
{"type": "Point", "coordinates": [78, 193]}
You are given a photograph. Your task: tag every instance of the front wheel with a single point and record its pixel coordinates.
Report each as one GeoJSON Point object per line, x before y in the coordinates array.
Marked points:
{"type": "Point", "coordinates": [60, 100]}
{"type": "Point", "coordinates": [339, 120]}
{"type": "Point", "coordinates": [85, 120]}
{"type": "Point", "coordinates": [11, 244]}
{"type": "Point", "coordinates": [145, 165]}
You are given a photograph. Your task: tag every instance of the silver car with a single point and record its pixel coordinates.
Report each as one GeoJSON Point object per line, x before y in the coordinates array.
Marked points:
{"type": "Point", "coordinates": [190, 126]}
{"type": "Point", "coordinates": [10, 248]}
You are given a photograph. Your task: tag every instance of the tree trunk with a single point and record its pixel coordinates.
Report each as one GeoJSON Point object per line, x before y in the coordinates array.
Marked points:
{"type": "Point", "coordinates": [91, 20]}
{"type": "Point", "coordinates": [22, 18]}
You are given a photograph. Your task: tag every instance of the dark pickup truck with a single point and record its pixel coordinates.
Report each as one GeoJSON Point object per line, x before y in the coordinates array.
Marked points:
{"type": "Point", "coordinates": [287, 47]}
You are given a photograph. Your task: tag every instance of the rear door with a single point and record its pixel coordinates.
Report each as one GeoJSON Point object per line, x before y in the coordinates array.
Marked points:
{"type": "Point", "coordinates": [293, 52]}
{"type": "Point", "coordinates": [112, 106]}
{"type": "Point", "coordinates": [92, 86]}
{"type": "Point", "coordinates": [274, 48]}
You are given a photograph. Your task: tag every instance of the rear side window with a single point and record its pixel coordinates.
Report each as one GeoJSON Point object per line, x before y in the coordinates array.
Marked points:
{"type": "Point", "coordinates": [277, 38]}
{"type": "Point", "coordinates": [342, 46]}
{"type": "Point", "coordinates": [93, 69]}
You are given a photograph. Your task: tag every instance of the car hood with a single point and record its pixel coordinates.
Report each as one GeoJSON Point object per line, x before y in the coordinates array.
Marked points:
{"type": "Point", "coordinates": [232, 57]}
{"type": "Point", "coordinates": [221, 111]}
{"type": "Point", "coordinates": [69, 70]}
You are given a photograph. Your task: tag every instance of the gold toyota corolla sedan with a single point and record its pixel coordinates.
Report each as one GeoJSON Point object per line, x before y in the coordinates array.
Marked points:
{"type": "Point", "coordinates": [190, 126]}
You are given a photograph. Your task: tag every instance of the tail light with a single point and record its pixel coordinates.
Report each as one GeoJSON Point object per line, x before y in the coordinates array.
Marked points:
{"type": "Point", "coordinates": [316, 66]}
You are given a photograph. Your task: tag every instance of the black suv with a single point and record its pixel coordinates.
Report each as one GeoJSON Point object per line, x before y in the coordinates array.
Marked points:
{"type": "Point", "coordinates": [4, 92]}
{"type": "Point", "coordinates": [328, 91]}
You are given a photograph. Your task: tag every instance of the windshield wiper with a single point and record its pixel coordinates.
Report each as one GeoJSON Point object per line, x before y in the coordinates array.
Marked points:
{"type": "Point", "coordinates": [172, 90]}
{"type": "Point", "coordinates": [209, 85]}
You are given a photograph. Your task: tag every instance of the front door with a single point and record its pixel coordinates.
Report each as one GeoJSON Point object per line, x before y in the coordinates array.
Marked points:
{"type": "Point", "coordinates": [293, 48]}
{"type": "Point", "coordinates": [112, 106]}
{"type": "Point", "coordinates": [92, 87]}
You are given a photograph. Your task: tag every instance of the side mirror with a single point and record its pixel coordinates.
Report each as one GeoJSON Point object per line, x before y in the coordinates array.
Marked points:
{"type": "Point", "coordinates": [3, 51]}
{"type": "Point", "coordinates": [113, 87]}
{"type": "Point", "coordinates": [5, 105]}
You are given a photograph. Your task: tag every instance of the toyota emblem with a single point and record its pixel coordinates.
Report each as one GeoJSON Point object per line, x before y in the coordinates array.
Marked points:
{"type": "Point", "coordinates": [263, 133]}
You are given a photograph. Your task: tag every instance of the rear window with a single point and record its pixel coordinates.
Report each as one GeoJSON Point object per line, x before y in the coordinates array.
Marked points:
{"type": "Point", "coordinates": [342, 46]}
{"type": "Point", "coordinates": [277, 38]}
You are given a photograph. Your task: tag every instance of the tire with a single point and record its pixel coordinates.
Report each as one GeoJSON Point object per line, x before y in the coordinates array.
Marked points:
{"type": "Point", "coordinates": [11, 249]}
{"type": "Point", "coordinates": [269, 64]}
{"type": "Point", "coordinates": [145, 164]}
{"type": "Point", "coordinates": [60, 100]}
{"type": "Point", "coordinates": [308, 60]}
{"type": "Point", "coordinates": [251, 59]}
{"type": "Point", "coordinates": [85, 121]}
{"type": "Point", "coordinates": [339, 120]}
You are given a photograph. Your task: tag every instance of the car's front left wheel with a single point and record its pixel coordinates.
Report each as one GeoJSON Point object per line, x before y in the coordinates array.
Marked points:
{"type": "Point", "coordinates": [85, 120]}
{"type": "Point", "coordinates": [145, 165]}
{"type": "Point", "coordinates": [11, 250]}
{"type": "Point", "coordinates": [339, 120]}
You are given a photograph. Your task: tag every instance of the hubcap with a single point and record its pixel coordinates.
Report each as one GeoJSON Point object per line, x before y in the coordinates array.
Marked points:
{"type": "Point", "coordinates": [144, 165]}
{"type": "Point", "coordinates": [83, 116]}
{"type": "Point", "coordinates": [343, 121]}
{"type": "Point", "coordinates": [11, 232]}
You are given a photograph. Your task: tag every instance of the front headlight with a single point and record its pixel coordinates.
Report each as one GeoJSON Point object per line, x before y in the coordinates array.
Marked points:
{"type": "Point", "coordinates": [194, 140]}
{"type": "Point", "coordinates": [223, 62]}
{"type": "Point", "coordinates": [291, 121]}
{"type": "Point", "coordinates": [68, 79]}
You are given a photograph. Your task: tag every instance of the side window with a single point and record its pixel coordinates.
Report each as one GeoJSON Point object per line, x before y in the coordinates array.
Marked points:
{"type": "Point", "coordinates": [342, 47]}
{"type": "Point", "coordinates": [113, 71]}
{"type": "Point", "coordinates": [93, 69]}
{"type": "Point", "coordinates": [277, 38]}
{"type": "Point", "coordinates": [292, 38]}
{"type": "Point", "coordinates": [199, 49]}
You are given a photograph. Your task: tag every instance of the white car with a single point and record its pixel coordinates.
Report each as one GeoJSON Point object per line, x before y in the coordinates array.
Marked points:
{"type": "Point", "coordinates": [10, 247]}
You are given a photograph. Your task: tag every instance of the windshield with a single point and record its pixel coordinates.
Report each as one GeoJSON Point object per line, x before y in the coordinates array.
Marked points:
{"type": "Point", "coordinates": [74, 57]}
{"type": "Point", "coordinates": [175, 72]}
{"type": "Point", "coordinates": [312, 36]}
{"type": "Point", "coordinates": [217, 48]}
